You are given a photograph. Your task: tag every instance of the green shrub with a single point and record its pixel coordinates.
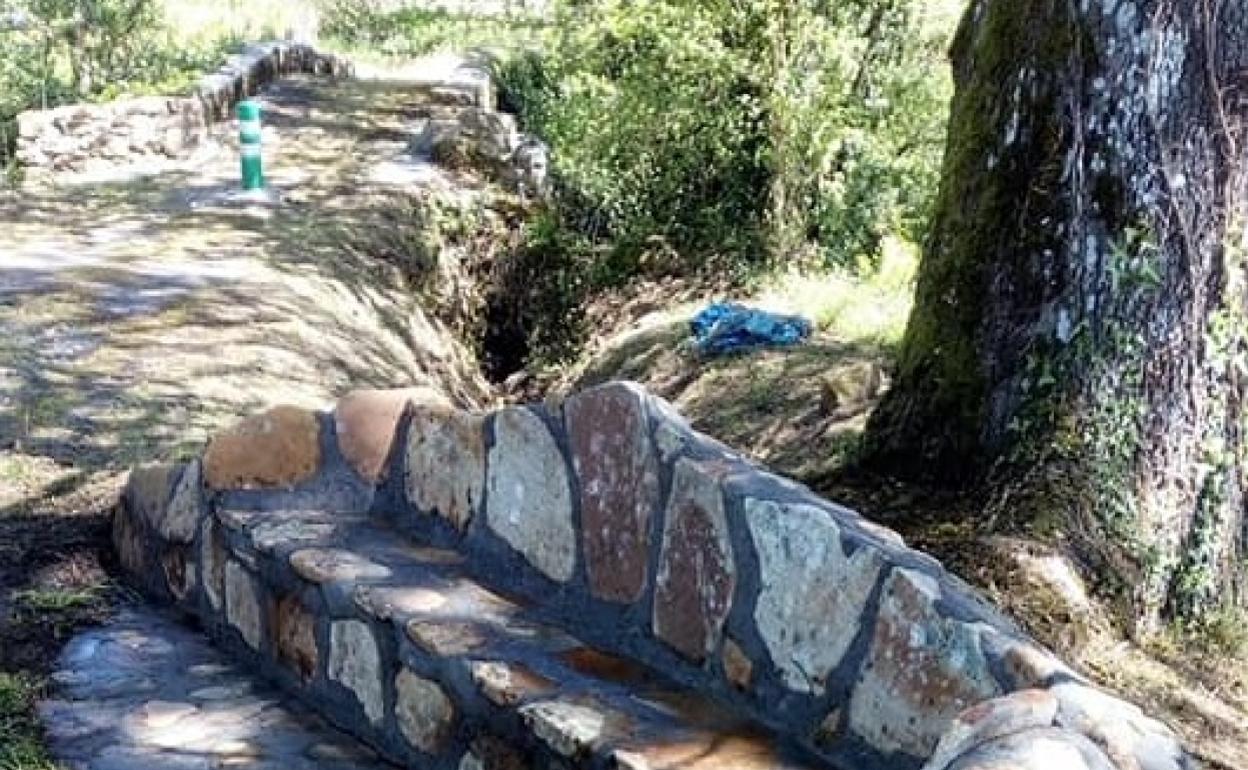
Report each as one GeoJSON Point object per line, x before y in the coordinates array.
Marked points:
{"type": "Point", "coordinates": [657, 126]}
{"type": "Point", "coordinates": [711, 135]}
{"type": "Point", "coordinates": [406, 32]}
{"type": "Point", "coordinates": [759, 129]}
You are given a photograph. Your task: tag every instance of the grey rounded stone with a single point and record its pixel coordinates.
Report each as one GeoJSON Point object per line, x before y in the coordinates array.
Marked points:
{"type": "Point", "coordinates": [425, 714]}
{"type": "Point", "coordinates": [242, 606]}
{"type": "Point", "coordinates": [813, 597]}
{"type": "Point", "coordinates": [922, 669]}
{"type": "Point", "coordinates": [355, 663]}
{"type": "Point", "coordinates": [187, 508]}
{"type": "Point", "coordinates": [529, 502]}
{"type": "Point", "coordinates": [446, 463]}
{"type": "Point", "coordinates": [1037, 749]}
{"type": "Point", "coordinates": [996, 718]}
{"type": "Point", "coordinates": [1128, 735]}
{"type": "Point", "coordinates": [212, 560]}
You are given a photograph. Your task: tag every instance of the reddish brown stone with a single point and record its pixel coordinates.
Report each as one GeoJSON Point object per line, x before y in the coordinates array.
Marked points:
{"type": "Point", "coordinates": [366, 422]}
{"type": "Point", "coordinates": [326, 565]}
{"type": "Point", "coordinates": [697, 577]}
{"type": "Point", "coordinates": [294, 632]}
{"type": "Point", "coordinates": [619, 487]}
{"type": "Point", "coordinates": [446, 638]}
{"type": "Point", "coordinates": [737, 666]}
{"type": "Point", "coordinates": [600, 665]}
{"type": "Point", "coordinates": [705, 751]}
{"type": "Point", "coordinates": [921, 671]}
{"type": "Point", "coordinates": [279, 448]}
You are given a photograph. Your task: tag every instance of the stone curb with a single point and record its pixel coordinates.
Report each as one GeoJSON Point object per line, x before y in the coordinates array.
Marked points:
{"type": "Point", "coordinates": [612, 519]}
{"type": "Point", "coordinates": [71, 137]}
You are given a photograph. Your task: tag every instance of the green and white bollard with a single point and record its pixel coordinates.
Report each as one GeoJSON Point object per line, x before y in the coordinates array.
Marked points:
{"type": "Point", "coordinates": [249, 145]}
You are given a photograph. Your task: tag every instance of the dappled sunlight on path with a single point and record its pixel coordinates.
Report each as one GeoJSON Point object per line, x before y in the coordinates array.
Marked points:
{"type": "Point", "coordinates": [138, 315]}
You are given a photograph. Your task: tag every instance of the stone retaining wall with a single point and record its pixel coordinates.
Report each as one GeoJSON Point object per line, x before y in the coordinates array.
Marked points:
{"type": "Point", "coordinates": [506, 8]}
{"type": "Point", "coordinates": [82, 137]}
{"type": "Point", "coordinates": [649, 540]}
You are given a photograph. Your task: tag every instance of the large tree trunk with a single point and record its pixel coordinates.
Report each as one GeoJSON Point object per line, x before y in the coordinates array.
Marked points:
{"type": "Point", "coordinates": [1078, 340]}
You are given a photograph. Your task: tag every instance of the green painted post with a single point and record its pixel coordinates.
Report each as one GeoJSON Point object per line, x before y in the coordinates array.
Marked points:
{"type": "Point", "coordinates": [249, 144]}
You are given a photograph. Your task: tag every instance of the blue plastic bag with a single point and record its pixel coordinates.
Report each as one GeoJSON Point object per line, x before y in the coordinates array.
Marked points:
{"type": "Point", "coordinates": [727, 327]}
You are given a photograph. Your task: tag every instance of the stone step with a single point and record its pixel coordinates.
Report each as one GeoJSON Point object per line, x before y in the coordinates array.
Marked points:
{"type": "Point", "coordinates": [606, 517]}
{"type": "Point", "coordinates": [399, 644]}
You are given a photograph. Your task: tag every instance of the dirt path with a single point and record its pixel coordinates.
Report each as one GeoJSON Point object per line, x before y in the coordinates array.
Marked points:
{"type": "Point", "coordinates": [140, 314]}
{"type": "Point", "coordinates": [135, 316]}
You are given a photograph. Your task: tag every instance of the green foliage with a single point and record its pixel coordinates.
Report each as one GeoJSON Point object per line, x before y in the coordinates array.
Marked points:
{"type": "Point", "coordinates": [410, 32]}
{"type": "Point", "coordinates": [710, 135]}
{"type": "Point", "coordinates": [658, 129]}
{"type": "Point", "coordinates": [1196, 598]}
{"type": "Point", "coordinates": [20, 745]}
{"type": "Point", "coordinates": [761, 130]}
{"type": "Point", "coordinates": [92, 50]}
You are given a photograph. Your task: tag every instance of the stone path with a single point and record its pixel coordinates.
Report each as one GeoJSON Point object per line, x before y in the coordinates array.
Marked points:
{"type": "Point", "coordinates": [142, 310]}
{"type": "Point", "coordinates": [144, 692]}
{"type": "Point", "coordinates": [145, 301]}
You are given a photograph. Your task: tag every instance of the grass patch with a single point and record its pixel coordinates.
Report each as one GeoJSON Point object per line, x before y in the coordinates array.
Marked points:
{"type": "Point", "coordinates": [866, 306]}
{"type": "Point", "coordinates": [21, 744]}
{"type": "Point", "coordinates": [53, 600]}
{"type": "Point", "coordinates": [413, 32]}
{"type": "Point", "coordinates": [206, 20]}
{"type": "Point", "coordinates": [1222, 632]}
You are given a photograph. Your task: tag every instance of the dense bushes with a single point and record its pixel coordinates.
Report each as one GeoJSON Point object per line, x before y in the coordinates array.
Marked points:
{"type": "Point", "coordinates": [769, 130]}
{"type": "Point", "coordinates": [728, 135]}
{"type": "Point", "coordinates": [415, 31]}
{"type": "Point", "coordinates": [658, 127]}
{"type": "Point", "coordinates": [706, 135]}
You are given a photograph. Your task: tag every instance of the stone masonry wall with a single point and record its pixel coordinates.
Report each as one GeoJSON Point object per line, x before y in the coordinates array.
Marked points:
{"type": "Point", "coordinates": [645, 539]}
{"type": "Point", "coordinates": [87, 136]}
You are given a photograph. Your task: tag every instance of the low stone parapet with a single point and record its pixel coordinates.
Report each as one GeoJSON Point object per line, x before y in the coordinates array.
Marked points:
{"type": "Point", "coordinates": [82, 137]}
{"type": "Point", "coordinates": [609, 520]}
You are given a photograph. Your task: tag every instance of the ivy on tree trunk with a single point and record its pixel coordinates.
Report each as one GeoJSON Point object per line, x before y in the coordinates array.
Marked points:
{"type": "Point", "coordinates": [1078, 340]}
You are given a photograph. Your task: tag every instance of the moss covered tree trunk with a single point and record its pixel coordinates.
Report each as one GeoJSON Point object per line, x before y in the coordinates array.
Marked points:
{"type": "Point", "coordinates": [1078, 340]}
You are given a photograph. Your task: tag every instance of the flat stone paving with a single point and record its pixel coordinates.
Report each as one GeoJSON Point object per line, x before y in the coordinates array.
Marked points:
{"type": "Point", "coordinates": [143, 692]}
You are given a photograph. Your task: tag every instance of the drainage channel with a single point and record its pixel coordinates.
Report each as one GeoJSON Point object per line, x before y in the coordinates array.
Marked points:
{"type": "Point", "coordinates": [143, 692]}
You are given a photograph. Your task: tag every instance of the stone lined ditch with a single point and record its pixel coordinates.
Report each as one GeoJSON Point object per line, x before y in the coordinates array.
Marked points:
{"type": "Point", "coordinates": [593, 584]}
{"type": "Point", "coordinates": [145, 692]}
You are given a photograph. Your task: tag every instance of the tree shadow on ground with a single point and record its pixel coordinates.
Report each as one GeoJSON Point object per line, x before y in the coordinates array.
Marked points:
{"type": "Point", "coordinates": [130, 306]}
